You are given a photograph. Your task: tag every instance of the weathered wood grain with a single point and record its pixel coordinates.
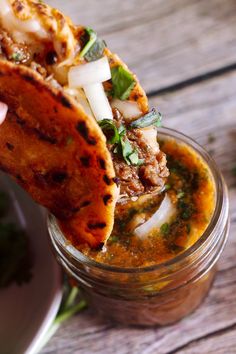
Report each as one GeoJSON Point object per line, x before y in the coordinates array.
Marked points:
{"type": "Point", "coordinates": [164, 42]}
{"type": "Point", "coordinates": [203, 110]}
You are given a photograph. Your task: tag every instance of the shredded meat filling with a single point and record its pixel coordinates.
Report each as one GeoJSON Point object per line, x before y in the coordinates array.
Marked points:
{"type": "Point", "coordinates": [147, 178]}
{"type": "Point", "coordinates": [134, 180]}
{"type": "Point", "coordinates": [13, 51]}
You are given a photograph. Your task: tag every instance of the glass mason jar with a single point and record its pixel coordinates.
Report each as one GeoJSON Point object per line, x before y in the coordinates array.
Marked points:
{"type": "Point", "coordinates": [154, 295]}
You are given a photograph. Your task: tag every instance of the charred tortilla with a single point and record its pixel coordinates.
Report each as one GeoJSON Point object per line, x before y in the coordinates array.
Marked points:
{"type": "Point", "coordinates": [51, 145]}
{"type": "Point", "coordinates": [57, 154]}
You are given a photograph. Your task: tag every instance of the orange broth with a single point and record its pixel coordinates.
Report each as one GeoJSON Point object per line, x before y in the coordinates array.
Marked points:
{"type": "Point", "coordinates": [192, 191]}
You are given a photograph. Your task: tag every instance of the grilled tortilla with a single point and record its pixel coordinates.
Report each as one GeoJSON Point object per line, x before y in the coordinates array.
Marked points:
{"type": "Point", "coordinates": [49, 143]}
{"type": "Point", "coordinates": [57, 153]}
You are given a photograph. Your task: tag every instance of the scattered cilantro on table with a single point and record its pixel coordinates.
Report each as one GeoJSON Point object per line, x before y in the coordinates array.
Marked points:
{"type": "Point", "coordinates": [71, 304]}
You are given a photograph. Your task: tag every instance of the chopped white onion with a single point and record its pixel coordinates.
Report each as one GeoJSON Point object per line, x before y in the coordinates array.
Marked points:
{"type": "Point", "coordinates": [98, 101]}
{"type": "Point", "coordinates": [128, 109]}
{"type": "Point", "coordinates": [150, 137]}
{"type": "Point", "coordinates": [90, 73]}
{"type": "Point", "coordinates": [163, 215]}
{"type": "Point", "coordinates": [79, 95]}
{"type": "Point", "coordinates": [3, 112]}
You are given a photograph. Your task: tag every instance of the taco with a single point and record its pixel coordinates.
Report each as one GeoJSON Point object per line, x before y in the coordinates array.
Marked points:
{"type": "Point", "coordinates": [78, 134]}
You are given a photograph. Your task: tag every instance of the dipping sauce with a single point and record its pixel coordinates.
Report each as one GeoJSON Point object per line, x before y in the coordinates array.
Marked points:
{"type": "Point", "coordinates": [191, 189]}
{"type": "Point", "coordinates": [159, 277]}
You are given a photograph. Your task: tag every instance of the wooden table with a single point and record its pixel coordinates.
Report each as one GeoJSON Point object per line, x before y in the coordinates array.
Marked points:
{"type": "Point", "coordinates": [184, 52]}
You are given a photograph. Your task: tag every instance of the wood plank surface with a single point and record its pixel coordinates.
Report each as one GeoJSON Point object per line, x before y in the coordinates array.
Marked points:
{"type": "Point", "coordinates": [164, 42]}
{"type": "Point", "coordinates": [167, 42]}
{"type": "Point", "coordinates": [202, 111]}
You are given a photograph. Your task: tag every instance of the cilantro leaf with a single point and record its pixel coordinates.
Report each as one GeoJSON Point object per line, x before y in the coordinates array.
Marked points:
{"type": "Point", "coordinates": [130, 155]}
{"type": "Point", "coordinates": [96, 50]}
{"type": "Point", "coordinates": [117, 137]}
{"type": "Point", "coordinates": [92, 39]}
{"type": "Point", "coordinates": [126, 149]}
{"type": "Point", "coordinates": [109, 129]}
{"type": "Point", "coordinates": [123, 82]}
{"type": "Point", "coordinates": [165, 228]}
{"type": "Point", "coordinates": [151, 118]}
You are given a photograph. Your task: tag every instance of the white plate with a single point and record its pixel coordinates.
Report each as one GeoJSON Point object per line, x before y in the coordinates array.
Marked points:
{"type": "Point", "coordinates": [27, 312]}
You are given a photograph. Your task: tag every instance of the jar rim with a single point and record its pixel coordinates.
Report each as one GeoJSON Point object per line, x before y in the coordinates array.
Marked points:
{"type": "Point", "coordinates": [221, 207]}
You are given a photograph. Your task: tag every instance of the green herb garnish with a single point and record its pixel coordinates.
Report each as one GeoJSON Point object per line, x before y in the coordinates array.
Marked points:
{"type": "Point", "coordinates": [122, 144]}
{"type": "Point", "coordinates": [113, 238]}
{"type": "Point", "coordinates": [165, 228]}
{"type": "Point", "coordinates": [186, 210]}
{"type": "Point", "coordinates": [17, 57]}
{"type": "Point", "coordinates": [151, 118]}
{"type": "Point", "coordinates": [123, 82]}
{"type": "Point", "coordinates": [96, 50]}
{"type": "Point", "coordinates": [92, 39]}
{"type": "Point", "coordinates": [129, 154]}
{"type": "Point", "coordinates": [180, 195]}
{"type": "Point", "coordinates": [109, 129]}
{"type": "Point", "coordinates": [71, 304]}
{"type": "Point", "coordinates": [167, 187]}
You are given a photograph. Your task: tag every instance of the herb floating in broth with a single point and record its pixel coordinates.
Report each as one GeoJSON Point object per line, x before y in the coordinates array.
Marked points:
{"type": "Point", "coordinates": [151, 118]}
{"type": "Point", "coordinates": [156, 227]}
{"type": "Point", "coordinates": [122, 81]}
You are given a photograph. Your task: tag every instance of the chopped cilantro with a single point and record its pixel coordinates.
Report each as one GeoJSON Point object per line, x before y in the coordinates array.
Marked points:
{"type": "Point", "coordinates": [165, 228]}
{"type": "Point", "coordinates": [71, 304]}
{"type": "Point", "coordinates": [92, 39]}
{"type": "Point", "coordinates": [122, 144]}
{"type": "Point", "coordinates": [167, 187]}
{"type": "Point", "coordinates": [180, 195]}
{"type": "Point", "coordinates": [94, 46]}
{"type": "Point", "coordinates": [186, 210]}
{"type": "Point", "coordinates": [96, 50]}
{"type": "Point", "coordinates": [129, 154]}
{"type": "Point", "coordinates": [151, 118]}
{"type": "Point", "coordinates": [113, 238]}
{"type": "Point", "coordinates": [109, 129]}
{"type": "Point", "coordinates": [123, 82]}
{"type": "Point", "coordinates": [17, 57]}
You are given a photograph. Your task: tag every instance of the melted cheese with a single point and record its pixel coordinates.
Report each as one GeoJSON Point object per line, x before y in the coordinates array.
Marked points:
{"type": "Point", "coordinates": [19, 29]}
{"type": "Point", "coordinates": [41, 26]}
